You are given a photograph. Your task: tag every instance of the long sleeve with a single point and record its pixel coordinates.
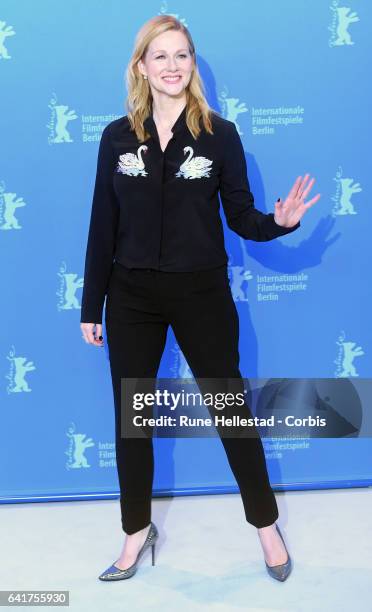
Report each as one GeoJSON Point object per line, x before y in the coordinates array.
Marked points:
{"type": "Point", "coordinates": [238, 201]}
{"type": "Point", "coordinates": [101, 237]}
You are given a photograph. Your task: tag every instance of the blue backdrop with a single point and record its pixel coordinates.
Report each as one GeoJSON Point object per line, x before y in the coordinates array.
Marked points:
{"type": "Point", "coordinates": [292, 76]}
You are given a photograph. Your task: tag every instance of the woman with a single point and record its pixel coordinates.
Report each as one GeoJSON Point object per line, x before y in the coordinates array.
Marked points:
{"type": "Point", "coordinates": [155, 248]}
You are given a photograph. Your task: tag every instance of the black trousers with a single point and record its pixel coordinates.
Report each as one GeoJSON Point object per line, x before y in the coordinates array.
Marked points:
{"type": "Point", "coordinates": [140, 305]}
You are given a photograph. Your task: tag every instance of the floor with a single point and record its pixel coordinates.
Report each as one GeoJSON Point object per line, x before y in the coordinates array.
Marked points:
{"type": "Point", "coordinates": [207, 557]}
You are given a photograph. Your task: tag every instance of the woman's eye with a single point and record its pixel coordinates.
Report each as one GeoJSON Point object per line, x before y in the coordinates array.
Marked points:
{"type": "Point", "coordinates": [180, 55]}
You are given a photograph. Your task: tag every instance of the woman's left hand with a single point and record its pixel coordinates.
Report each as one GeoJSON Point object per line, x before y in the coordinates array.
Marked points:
{"type": "Point", "coordinates": [288, 213]}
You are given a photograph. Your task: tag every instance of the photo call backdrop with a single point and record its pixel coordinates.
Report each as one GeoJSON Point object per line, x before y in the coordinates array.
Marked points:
{"type": "Point", "coordinates": [294, 77]}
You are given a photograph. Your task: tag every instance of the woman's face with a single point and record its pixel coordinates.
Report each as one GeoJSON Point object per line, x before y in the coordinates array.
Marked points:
{"type": "Point", "coordinates": [168, 56]}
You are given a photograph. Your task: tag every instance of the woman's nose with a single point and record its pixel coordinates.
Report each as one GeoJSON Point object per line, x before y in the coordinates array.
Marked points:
{"type": "Point", "coordinates": [172, 64]}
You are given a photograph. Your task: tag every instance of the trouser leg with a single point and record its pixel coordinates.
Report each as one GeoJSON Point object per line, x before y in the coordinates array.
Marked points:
{"type": "Point", "coordinates": [206, 327]}
{"type": "Point", "coordinates": [136, 336]}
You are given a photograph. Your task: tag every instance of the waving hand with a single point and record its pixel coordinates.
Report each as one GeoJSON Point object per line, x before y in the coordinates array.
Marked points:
{"type": "Point", "coordinates": [289, 212]}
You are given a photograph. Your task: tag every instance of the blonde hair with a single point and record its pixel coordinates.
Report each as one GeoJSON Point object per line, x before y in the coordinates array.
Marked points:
{"type": "Point", "coordinates": [139, 99]}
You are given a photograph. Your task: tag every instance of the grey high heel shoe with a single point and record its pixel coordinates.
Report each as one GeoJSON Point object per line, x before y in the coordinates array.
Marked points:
{"type": "Point", "coordinates": [280, 572]}
{"type": "Point", "coordinates": [115, 573]}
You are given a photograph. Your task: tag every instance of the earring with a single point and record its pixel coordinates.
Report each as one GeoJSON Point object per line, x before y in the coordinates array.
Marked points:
{"type": "Point", "coordinates": [144, 76]}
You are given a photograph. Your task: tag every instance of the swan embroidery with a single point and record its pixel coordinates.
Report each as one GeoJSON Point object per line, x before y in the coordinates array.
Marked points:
{"type": "Point", "coordinates": [194, 167]}
{"type": "Point", "coordinates": [130, 164]}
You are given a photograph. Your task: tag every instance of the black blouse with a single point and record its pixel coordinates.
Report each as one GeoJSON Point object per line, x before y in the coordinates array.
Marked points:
{"type": "Point", "coordinates": [155, 209]}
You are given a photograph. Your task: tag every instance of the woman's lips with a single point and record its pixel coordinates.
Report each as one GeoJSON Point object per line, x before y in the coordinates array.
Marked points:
{"type": "Point", "coordinates": [172, 79]}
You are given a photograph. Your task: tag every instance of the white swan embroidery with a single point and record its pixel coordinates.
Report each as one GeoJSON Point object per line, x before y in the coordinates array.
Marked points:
{"type": "Point", "coordinates": [197, 167]}
{"type": "Point", "coordinates": [130, 164]}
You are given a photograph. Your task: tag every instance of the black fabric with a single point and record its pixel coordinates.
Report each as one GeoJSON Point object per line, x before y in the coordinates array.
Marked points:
{"type": "Point", "coordinates": [141, 305]}
{"type": "Point", "coordinates": [164, 214]}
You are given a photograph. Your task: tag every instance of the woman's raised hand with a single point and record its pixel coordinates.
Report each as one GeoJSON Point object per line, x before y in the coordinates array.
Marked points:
{"type": "Point", "coordinates": [89, 335]}
{"type": "Point", "coordinates": [289, 212]}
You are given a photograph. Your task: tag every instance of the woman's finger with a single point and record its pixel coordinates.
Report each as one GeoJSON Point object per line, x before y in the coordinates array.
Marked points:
{"type": "Point", "coordinates": [293, 192]}
{"type": "Point", "coordinates": [305, 192]}
{"type": "Point", "coordinates": [302, 186]}
{"type": "Point", "coordinates": [311, 202]}
{"type": "Point", "coordinates": [98, 334]}
{"type": "Point", "coordinates": [90, 334]}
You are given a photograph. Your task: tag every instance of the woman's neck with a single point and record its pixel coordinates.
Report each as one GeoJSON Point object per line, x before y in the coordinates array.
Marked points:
{"type": "Point", "coordinates": [165, 115]}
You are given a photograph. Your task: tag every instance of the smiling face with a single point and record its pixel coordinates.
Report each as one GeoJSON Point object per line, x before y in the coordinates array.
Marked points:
{"type": "Point", "coordinates": [168, 63]}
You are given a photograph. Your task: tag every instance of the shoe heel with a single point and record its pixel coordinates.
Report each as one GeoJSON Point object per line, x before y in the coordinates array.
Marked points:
{"type": "Point", "coordinates": [153, 553]}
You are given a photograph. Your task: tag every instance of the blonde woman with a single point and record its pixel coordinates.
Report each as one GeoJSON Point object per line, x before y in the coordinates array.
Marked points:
{"type": "Point", "coordinates": [156, 250]}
